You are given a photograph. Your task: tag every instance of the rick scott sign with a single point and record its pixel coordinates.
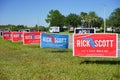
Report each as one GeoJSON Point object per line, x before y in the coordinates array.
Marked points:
{"type": "Point", "coordinates": [54, 41]}
{"type": "Point", "coordinates": [95, 45]}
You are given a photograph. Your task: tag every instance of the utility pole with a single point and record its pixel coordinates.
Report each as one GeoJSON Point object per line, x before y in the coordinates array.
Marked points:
{"type": "Point", "coordinates": [104, 18]}
{"type": "Point", "coordinates": [38, 23]}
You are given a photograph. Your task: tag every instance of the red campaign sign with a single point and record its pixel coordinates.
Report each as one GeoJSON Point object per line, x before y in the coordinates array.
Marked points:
{"type": "Point", "coordinates": [31, 38]}
{"type": "Point", "coordinates": [7, 36]}
{"type": "Point", "coordinates": [95, 45]}
{"type": "Point", "coordinates": [17, 36]}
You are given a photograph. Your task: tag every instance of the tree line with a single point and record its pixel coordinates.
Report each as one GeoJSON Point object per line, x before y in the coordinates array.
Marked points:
{"type": "Point", "coordinates": [20, 27]}
{"type": "Point", "coordinates": [91, 19]}
{"type": "Point", "coordinates": [85, 20]}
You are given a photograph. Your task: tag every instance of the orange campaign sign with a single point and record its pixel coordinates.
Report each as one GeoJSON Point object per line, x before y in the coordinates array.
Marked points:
{"type": "Point", "coordinates": [17, 36]}
{"type": "Point", "coordinates": [95, 45]}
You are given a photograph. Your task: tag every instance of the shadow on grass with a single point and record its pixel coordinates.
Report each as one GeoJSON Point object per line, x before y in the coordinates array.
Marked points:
{"type": "Point", "coordinates": [117, 76]}
{"type": "Point", "coordinates": [101, 62]}
{"type": "Point", "coordinates": [33, 46]}
{"type": "Point", "coordinates": [59, 50]}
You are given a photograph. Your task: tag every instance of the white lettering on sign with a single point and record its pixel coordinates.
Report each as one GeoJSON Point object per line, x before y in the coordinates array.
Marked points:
{"type": "Point", "coordinates": [60, 40]}
{"type": "Point", "coordinates": [55, 40]}
{"type": "Point", "coordinates": [83, 43]}
{"type": "Point", "coordinates": [32, 37]}
{"type": "Point", "coordinates": [103, 43]}
{"type": "Point", "coordinates": [84, 31]}
{"type": "Point", "coordinates": [15, 35]}
{"type": "Point", "coordinates": [47, 39]}
{"type": "Point", "coordinates": [28, 37]}
{"type": "Point", "coordinates": [37, 36]}
{"type": "Point", "coordinates": [18, 35]}
{"type": "Point", "coordinates": [7, 35]}
{"type": "Point", "coordinates": [95, 43]}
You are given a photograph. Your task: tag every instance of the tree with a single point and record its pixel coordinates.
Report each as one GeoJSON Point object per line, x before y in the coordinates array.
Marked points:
{"type": "Point", "coordinates": [92, 19]}
{"type": "Point", "coordinates": [114, 19]}
{"type": "Point", "coordinates": [84, 19]}
{"type": "Point", "coordinates": [99, 22]}
{"type": "Point", "coordinates": [55, 18]}
{"type": "Point", "coordinates": [73, 20]}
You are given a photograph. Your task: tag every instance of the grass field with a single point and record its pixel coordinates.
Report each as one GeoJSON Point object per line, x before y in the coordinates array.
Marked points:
{"type": "Point", "coordinates": [29, 62]}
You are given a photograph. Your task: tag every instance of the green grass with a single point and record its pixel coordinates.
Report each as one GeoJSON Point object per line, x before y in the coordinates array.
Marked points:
{"type": "Point", "coordinates": [66, 32]}
{"type": "Point", "coordinates": [29, 62]}
{"type": "Point", "coordinates": [118, 35]}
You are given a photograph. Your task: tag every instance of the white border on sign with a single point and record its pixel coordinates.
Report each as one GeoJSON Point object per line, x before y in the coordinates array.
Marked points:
{"type": "Point", "coordinates": [73, 44]}
{"type": "Point", "coordinates": [24, 38]}
{"type": "Point", "coordinates": [117, 45]}
{"type": "Point", "coordinates": [41, 40]}
{"type": "Point", "coordinates": [85, 28]}
{"type": "Point", "coordinates": [100, 56]}
{"type": "Point", "coordinates": [12, 36]}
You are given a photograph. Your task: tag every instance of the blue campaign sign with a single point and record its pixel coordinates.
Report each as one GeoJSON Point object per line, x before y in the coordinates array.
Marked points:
{"type": "Point", "coordinates": [54, 41]}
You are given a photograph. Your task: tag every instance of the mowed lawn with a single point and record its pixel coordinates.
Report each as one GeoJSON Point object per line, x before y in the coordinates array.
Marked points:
{"type": "Point", "coordinates": [30, 62]}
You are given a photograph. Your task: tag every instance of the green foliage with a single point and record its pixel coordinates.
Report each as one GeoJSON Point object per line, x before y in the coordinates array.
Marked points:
{"type": "Point", "coordinates": [38, 28]}
{"type": "Point", "coordinates": [73, 20]}
{"type": "Point", "coordinates": [91, 19]}
{"type": "Point", "coordinates": [29, 62]}
{"type": "Point", "coordinates": [19, 27]}
{"type": "Point", "coordinates": [114, 19]}
{"type": "Point", "coordinates": [55, 18]}
{"type": "Point", "coordinates": [12, 27]}
{"type": "Point", "coordinates": [118, 35]}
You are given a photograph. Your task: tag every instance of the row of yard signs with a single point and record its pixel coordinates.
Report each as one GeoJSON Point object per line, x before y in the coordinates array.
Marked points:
{"type": "Point", "coordinates": [45, 40]}
{"type": "Point", "coordinates": [86, 42]}
{"type": "Point", "coordinates": [25, 37]}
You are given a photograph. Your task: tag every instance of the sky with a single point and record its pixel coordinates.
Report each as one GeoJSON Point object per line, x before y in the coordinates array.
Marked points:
{"type": "Point", "coordinates": [32, 12]}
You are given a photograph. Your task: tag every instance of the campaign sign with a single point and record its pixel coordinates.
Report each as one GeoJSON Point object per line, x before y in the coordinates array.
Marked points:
{"type": "Point", "coordinates": [1, 32]}
{"type": "Point", "coordinates": [31, 38]}
{"type": "Point", "coordinates": [95, 45]}
{"type": "Point", "coordinates": [7, 36]}
{"type": "Point", "coordinates": [84, 30]}
{"type": "Point", "coordinates": [17, 36]}
{"type": "Point", "coordinates": [54, 41]}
